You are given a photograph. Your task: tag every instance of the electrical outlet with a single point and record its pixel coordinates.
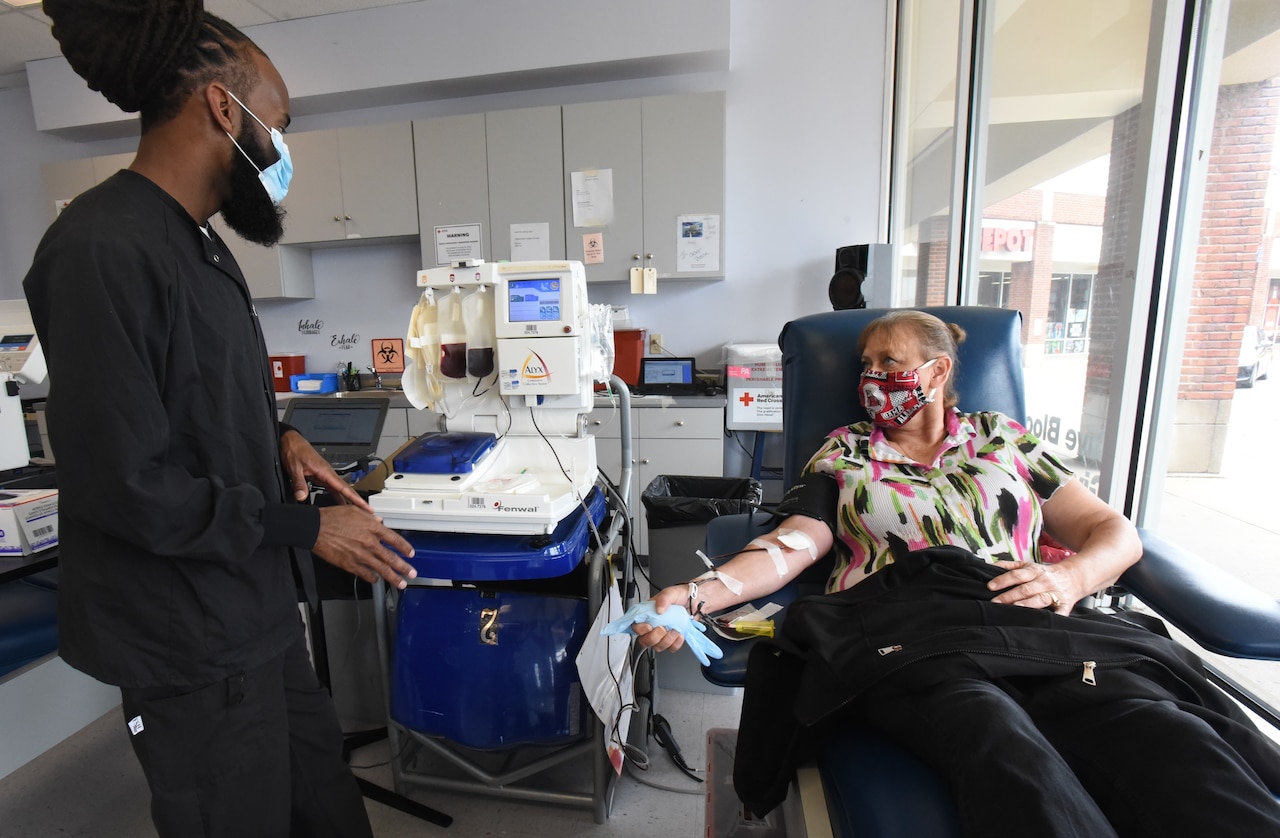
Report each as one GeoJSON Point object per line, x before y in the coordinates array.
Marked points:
{"type": "Point", "coordinates": [655, 344]}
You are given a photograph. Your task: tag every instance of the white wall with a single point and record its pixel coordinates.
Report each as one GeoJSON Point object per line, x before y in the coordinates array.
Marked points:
{"type": "Point", "coordinates": [804, 131]}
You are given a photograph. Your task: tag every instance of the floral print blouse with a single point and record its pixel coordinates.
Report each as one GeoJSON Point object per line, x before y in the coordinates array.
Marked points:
{"type": "Point", "coordinates": [983, 493]}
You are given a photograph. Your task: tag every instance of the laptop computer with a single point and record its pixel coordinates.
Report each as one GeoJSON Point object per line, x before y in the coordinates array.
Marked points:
{"type": "Point", "coordinates": [341, 430]}
{"type": "Point", "coordinates": [667, 376]}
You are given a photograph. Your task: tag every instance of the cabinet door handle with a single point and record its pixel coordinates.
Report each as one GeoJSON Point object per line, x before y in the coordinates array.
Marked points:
{"type": "Point", "coordinates": [347, 217]}
{"type": "Point", "coordinates": [648, 256]}
{"type": "Point", "coordinates": [596, 422]}
{"type": "Point", "coordinates": [680, 423]}
{"type": "Point", "coordinates": [337, 218]}
{"type": "Point", "coordinates": [635, 257]}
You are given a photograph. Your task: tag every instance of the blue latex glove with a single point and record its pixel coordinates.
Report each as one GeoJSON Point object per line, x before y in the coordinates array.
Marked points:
{"type": "Point", "coordinates": [675, 618]}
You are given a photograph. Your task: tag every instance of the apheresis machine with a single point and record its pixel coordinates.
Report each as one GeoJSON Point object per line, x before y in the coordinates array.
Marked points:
{"type": "Point", "coordinates": [506, 353]}
{"type": "Point", "coordinates": [512, 532]}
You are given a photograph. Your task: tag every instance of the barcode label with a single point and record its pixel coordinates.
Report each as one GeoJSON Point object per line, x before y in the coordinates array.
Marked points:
{"type": "Point", "coordinates": [475, 503]}
{"type": "Point", "coordinates": [36, 533]}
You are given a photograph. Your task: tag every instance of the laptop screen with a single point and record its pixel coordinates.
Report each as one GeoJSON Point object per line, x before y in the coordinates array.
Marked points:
{"type": "Point", "coordinates": [666, 375]}
{"type": "Point", "coordinates": [342, 430]}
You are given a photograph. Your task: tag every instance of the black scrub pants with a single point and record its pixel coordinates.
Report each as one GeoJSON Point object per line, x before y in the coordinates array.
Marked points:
{"type": "Point", "coordinates": [1050, 757]}
{"type": "Point", "coordinates": [258, 754]}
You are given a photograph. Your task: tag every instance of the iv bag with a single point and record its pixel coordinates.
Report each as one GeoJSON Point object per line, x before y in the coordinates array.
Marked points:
{"type": "Point", "coordinates": [601, 361]}
{"type": "Point", "coordinates": [453, 337]}
{"type": "Point", "coordinates": [477, 316]}
{"type": "Point", "coordinates": [422, 349]}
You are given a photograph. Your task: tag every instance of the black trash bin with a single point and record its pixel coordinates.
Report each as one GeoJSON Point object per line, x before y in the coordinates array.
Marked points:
{"type": "Point", "coordinates": [678, 508]}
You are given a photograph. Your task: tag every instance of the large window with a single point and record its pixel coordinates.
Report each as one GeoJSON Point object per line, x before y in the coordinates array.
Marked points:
{"type": "Point", "coordinates": [1114, 175]}
{"type": "Point", "coordinates": [924, 156]}
{"type": "Point", "coordinates": [1067, 323]}
{"type": "Point", "coordinates": [1210, 481]}
{"type": "Point", "coordinates": [1044, 160]}
{"type": "Point", "coordinates": [993, 288]}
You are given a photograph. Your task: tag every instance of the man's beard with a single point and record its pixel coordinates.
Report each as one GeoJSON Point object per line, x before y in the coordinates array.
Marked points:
{"type": "Point", "coordinates": [249, 210]}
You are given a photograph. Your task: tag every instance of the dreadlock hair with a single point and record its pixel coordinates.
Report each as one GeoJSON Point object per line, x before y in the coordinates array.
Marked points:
{"type": "Point", "coordinates": [149, 56]}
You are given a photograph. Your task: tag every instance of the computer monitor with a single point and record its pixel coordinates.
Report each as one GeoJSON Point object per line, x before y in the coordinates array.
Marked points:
{"type": "Point", "coordinates": [667, 376]}
{"type": "Point", "coordinates": [342, 430]}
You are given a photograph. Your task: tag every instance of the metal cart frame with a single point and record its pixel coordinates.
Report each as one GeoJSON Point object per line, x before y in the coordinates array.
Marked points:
{"type": "Point", "coordinates": [519, 764]}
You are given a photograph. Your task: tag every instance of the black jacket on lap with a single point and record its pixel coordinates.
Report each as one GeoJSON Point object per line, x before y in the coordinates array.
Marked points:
{"type": "Point", "coordinates": [929, 618]}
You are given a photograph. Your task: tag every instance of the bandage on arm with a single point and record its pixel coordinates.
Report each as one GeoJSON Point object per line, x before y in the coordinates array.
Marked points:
{"type": "Point", "coordinates": [788, 541]}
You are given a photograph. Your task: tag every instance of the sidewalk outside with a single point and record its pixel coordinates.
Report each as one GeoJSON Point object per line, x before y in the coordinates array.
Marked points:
{"type": "Point", "coordinates": [1233, 519]}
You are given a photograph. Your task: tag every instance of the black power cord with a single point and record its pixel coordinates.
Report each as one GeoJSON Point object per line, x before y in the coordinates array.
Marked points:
{"type": "Point", "coordinates": [662, 732]}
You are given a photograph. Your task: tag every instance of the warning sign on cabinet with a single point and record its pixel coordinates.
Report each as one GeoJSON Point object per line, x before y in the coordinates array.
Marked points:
{"type": "Point", "coordinates": [458, 243]}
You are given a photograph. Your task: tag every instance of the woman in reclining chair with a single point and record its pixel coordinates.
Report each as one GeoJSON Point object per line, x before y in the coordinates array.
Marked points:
{"type": "Point", "coordinates": [922, 475]}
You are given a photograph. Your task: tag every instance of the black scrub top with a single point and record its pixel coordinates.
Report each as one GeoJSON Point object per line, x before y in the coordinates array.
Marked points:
{"type": "Point", "coordinates": [175, 526]}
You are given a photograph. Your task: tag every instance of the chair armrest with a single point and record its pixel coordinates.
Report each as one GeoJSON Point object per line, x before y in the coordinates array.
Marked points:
{"type": "Point", "coordinates": [729, 534]}
{"type": "Point", "coordinates": [1217, 610]}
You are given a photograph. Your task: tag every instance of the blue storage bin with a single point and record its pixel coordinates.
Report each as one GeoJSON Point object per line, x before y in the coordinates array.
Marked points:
{"type": "Point", "coordinates": [489, 670]}
{"type": "Point", "coordinates": [314, 383]}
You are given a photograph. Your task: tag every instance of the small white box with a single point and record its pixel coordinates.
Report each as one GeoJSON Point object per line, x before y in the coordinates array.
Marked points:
{"type": "Point", "coordinates": [753, 382]}
{"type": "Point", "coordinates": [28, 521]}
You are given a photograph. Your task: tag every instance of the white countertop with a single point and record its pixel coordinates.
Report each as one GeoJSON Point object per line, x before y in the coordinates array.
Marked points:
{"type": "Point", "coordinates": [398, 399]}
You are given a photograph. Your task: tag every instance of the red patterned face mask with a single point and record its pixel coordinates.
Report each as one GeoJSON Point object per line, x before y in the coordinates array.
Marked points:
{"type": "Point", "coordinates": [892, 398]}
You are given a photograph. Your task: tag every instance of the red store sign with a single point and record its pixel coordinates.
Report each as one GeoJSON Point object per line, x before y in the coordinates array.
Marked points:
{"type": "Point", "coordinates": [1009, 242]}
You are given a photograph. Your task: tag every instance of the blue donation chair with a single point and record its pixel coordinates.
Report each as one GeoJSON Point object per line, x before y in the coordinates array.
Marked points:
{"type": "Point", "coordinates": [871, 786]}
{"type": "Point", "coordinates": [28, 620]}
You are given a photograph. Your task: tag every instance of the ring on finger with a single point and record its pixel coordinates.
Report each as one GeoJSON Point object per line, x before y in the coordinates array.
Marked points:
{"type": "Point", "coordinates": [1057, 602]}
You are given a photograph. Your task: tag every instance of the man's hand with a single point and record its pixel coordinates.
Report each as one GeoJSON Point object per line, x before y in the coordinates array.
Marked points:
{"type": "Point", "coordinates": [302, 463]}
{"type": "Point", "coordinates": [357, 542]}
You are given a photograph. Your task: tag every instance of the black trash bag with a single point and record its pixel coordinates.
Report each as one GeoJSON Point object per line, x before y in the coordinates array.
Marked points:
{"type": "Point", "coordinates": [674, 500]}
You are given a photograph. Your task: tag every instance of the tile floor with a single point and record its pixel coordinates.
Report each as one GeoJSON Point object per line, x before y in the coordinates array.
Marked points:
{"type": "Point", "coordinates": [90, 785]}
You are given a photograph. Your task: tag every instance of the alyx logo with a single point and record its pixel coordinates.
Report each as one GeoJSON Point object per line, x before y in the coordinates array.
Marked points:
{"type": "Point", "coordinates": [534, 368]}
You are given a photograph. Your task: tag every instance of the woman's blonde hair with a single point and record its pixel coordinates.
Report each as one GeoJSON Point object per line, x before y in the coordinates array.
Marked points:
{"type": "Point", "coordinates": [935, 337]}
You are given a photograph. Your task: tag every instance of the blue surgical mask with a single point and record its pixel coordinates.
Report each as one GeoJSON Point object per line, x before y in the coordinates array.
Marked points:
{"type": "Point", "coordinates": [275, 178]}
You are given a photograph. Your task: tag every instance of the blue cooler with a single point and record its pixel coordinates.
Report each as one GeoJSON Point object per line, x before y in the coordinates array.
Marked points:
{"type": "Point", "coordinates": [494, 666]}
{"type": "Point", "coordinates": [489, 669]}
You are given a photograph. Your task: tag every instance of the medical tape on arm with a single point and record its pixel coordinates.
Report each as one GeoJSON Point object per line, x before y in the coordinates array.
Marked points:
{"type": "Point", "coordinates": [798, 540]}
{"type": "Point", "coordinates": [775, 553]}
{"type": "Point", "coordinates": [734, 586]}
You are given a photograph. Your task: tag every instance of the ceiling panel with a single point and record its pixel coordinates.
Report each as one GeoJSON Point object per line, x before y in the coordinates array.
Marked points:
{"type": "Point", "coordinates": [240, 12]}
{"type": "Point", "coordinates": [24, 34]}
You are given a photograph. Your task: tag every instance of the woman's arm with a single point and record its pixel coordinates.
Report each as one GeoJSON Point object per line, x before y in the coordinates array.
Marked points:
{"type": "Point", "coordinates": [1104, 541]}
{"type": "Point", "coordinates": [756, 570]}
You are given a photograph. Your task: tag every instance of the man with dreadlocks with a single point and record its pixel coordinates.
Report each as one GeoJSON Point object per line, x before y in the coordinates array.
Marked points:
{"type": "Point", "coordinates": [180, 540]}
